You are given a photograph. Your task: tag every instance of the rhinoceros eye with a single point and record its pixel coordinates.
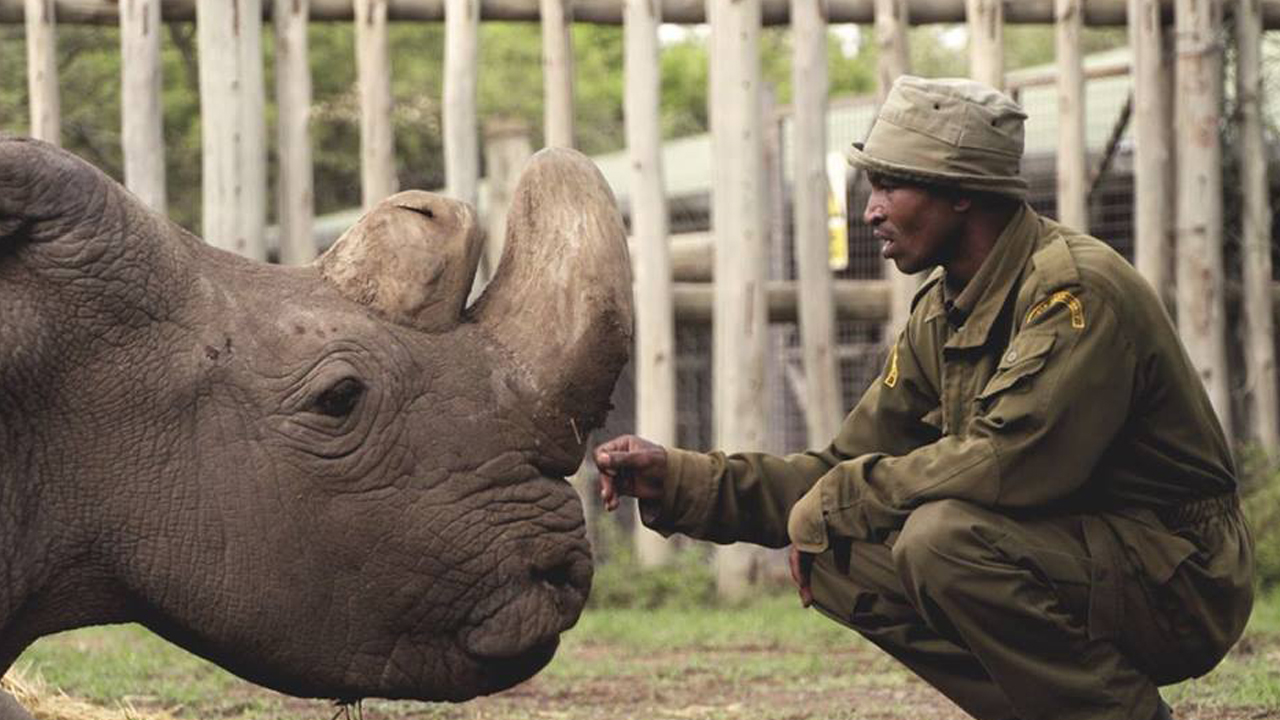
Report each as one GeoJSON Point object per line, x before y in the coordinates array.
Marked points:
{"type": "Point", "coordinates": [340, 398]}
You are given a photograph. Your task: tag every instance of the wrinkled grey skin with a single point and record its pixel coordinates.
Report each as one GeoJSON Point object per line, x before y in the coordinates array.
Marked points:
{"type": "Point", "coordinates": [333, 485]}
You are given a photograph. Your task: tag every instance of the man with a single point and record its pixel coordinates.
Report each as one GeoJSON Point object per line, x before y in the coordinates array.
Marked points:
{"type": "Point", "coordinates": [1033, 507]}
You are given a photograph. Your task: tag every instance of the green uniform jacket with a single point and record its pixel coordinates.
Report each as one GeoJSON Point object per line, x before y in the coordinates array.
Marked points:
{"type": "Point", "coordinates": [1054, 383]}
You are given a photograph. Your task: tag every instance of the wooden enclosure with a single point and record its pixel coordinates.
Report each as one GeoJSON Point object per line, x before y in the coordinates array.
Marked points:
{"type": "Point", "coordinates": [1177, 71]}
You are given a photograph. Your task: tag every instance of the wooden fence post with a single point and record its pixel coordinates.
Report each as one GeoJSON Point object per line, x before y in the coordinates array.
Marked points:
{"type": "Point", "coordinates": [141, 110]}
{"type": "Point", "coordinates": [740, 331]}
{"type": "Point", "coordinates": [1259, 325]}
{"type": "Point", "coordinates": [460, 123]}
{"type": "Point", "coordinates": [823, 401]}
{"type": "Point", "coordinates": [1201, 305]}
{"type": "Point", "coordinates": [1152, 157]}
{"type": "Point", "coordinates": [295, 194]}
{"type": "Point", "coordinates": [233, 126]}
{"type": "Point", "coordinates": [655, 358]}
{"type": "Point", "coordinates": [1072, 173]}
{"type": "Point", "coordinates": [507, 148]}
{"type": "Point", "coordinates": [377, 138]}
{"type": "Point", "coordinates": [892, 21]}
{"type": "Point", "coordinates": [986, 41]}
{"type": "Point", "coordinates": [557, 72]}
{"type": "Point", "coordinates": [42, 71]}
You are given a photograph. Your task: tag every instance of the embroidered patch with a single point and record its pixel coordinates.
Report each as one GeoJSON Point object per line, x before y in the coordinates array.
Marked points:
{"type": "Point", "coordinates": [891, 379]}
{"type": "Point", "coordinates": [1062, 297]}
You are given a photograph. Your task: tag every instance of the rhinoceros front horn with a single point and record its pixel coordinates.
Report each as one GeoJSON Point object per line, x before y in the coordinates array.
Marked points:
{"type": "Point", "coordinates": [560, 301]}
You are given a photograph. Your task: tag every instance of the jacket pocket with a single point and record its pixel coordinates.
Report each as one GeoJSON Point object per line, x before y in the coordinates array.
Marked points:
{"type": "Point", "coordinates": [1024, 357]}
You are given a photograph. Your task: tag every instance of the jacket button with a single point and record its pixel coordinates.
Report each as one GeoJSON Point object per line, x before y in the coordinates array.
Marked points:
{"type": "Point", "coordinates": [1011, 356]}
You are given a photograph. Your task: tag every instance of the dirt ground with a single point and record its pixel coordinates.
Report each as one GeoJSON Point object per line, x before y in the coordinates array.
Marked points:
{"type": "Point", "coordinates": [717, 684]}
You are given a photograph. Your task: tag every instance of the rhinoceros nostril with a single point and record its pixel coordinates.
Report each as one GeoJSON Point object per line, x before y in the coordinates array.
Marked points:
{"type": "Point", "coordinates": [557, 574]}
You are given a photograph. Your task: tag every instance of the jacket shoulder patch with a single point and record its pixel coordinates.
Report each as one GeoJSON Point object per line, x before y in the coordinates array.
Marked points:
{"type": "Point", "coordinates": [891, 377]}
{"type": "Point", "coordinates": [1062, 297]}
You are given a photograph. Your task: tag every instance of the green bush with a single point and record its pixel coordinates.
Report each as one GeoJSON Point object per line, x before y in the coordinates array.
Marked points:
{"type": "Point", "coordinates": [687, 581]}
{"type": "Point", "coordinates": [1260, 488]}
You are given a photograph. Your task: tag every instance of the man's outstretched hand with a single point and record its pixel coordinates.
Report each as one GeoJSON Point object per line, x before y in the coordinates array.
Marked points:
{"type": "Point", "coordinates": [801, 570]}
{"type": "Point", "coordinates": [630, 465]}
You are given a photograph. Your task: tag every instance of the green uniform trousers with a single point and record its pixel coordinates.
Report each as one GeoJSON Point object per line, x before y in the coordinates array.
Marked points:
{"type": "Point", "coordinates": [1048, 615]}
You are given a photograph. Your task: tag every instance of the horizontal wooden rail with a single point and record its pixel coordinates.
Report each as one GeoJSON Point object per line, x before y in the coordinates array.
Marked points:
{"type": "Point", "coordinates": [854, 300]}
{"type": "Point", "coordinates": [609, 12]}
{"type": "Point", "coordinates": [692, 255]}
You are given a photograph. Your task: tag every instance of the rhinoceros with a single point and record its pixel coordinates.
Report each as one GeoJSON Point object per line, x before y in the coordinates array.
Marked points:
{"type": "Point", "coordinates": [335, 480]}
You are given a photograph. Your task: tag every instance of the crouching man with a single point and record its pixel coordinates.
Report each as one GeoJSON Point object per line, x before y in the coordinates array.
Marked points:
{"type": "Point", "coordinates": [1033, 507]}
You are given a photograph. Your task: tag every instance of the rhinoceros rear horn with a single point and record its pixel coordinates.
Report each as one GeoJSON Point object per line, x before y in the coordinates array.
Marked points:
{"type": "Point", "coordinates": [560, 301]}
{"type": "Point", "coordinates": [410, 259]}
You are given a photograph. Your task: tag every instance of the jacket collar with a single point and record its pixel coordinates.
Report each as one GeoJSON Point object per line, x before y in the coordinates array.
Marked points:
{"type": "Point", "coordinates": [976, 308]}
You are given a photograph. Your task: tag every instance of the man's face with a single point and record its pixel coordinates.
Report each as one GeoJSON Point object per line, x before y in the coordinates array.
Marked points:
{"type": "Point", "coordinates": [916, 227]}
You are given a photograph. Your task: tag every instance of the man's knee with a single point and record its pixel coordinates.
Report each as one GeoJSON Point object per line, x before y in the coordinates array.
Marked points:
{"type": "Point", "coordinates": [938, 536]}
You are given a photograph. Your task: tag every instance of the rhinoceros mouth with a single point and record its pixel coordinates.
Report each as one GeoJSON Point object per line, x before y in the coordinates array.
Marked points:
{"type": "Point", "coordinates": [522, 622]}
{"type": "Point", "coordinates": [502, 673]}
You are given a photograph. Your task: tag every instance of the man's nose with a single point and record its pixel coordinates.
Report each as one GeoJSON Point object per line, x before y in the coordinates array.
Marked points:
{"type": "Point", "coordinates": [873, 213]}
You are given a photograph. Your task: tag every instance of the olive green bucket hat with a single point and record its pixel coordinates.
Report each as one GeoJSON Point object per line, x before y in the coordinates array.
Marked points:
{"type": "Point", "coordinates": [951, 132]}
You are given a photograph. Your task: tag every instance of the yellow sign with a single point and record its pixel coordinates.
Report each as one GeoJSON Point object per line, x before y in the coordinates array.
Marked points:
{"type": "Point", "coordinates": [837, 235]}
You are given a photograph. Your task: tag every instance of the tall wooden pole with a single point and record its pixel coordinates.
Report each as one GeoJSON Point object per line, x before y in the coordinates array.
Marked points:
{"type": "Point", "coordinates": [1259, 325]}
{"type": "Point", "coordinates": [295, 191]}
{"type": "Point", "coordinates": [141, 112]}
{"type": "Point", "coordinates": [42, 71]}
{"type": "Point", "coordinates": [233, 126]}
{"type": "Point", "coordinates": [810, 82]}
{"type": "Point", "coordinates": [557, 72]}
{"type": "Point", "coordinates": [460, 123]}
{"type": "Point", "coordinates": [1201, 305]}
{"type": "Point", "coordinates": [377, 139]}
{"type": "Point", "coordinates": [737, 199]}
{"type": "Point", "coordinates": [1153, 167]}
{"type": "Point", "coordinates": [892, 21]}
{"type": "Point", "coordinates": [1072, 193]}
{"type": "Point", "coordinates": [655, 359]}
{"type": "Point", "coordinates": [986, 41]}
{"type": "Point", "coordinates": [507, 149]}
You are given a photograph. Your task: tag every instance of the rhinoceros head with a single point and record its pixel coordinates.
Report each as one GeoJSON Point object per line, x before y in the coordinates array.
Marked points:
{"type": "Point", "coordinates": [334, 480]}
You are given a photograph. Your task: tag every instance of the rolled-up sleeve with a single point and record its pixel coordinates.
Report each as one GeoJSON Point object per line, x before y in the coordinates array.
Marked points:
{"type": "Point", "coordinates": [1058, 398]}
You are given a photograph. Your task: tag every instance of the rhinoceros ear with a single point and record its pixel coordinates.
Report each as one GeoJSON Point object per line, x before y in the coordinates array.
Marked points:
{"type": "Point", "coordinates": [77, 245]}
{"type": "Point", "coordinates": [410, 259]}
{"type": "Point", "coordinates": [79, 217]}
{"type": "Point", "coordinates": [30, 174]}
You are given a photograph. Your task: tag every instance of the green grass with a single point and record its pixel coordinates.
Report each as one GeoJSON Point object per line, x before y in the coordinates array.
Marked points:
{"type": "Point", "coordinates": [1250, 676]}
{"type": "Point", "coordinates": [772, 621]}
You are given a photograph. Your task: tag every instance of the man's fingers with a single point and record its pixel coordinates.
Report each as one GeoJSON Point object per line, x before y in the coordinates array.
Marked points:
{"type": "Point", "coordinates": [624, 459]}
{"type": "Point", "coordinates": [608, 493]}
{"type": "Point", "coordinates": [801, 568]}
{"type": "Point", "coordinates": [806, 573]}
